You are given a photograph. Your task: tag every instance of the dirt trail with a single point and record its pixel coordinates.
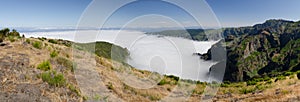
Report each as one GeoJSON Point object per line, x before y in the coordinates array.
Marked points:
{"type": "Point", "coordinates": [89, 80]}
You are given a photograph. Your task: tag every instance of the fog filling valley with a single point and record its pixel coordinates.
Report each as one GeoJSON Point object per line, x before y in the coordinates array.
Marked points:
{"type": "Point", "coordinates": [165, 55]}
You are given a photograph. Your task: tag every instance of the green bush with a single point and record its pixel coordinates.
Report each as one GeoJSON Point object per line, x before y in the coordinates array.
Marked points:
{"type": "Point", "coordinates": [42, 39]}
{"type": "Point", "coordinates": [11, 38]}
{"type": "Point", "coordinates": [270, 82]}
{"type": "Point", "coordinates": [281, 77]}
{"type": "Point", "coordinates": [225, 84]}
{"type": "Point", "coordinates": [14, 33]}
{"type": "Point", "coordinates": [53, 78]}
{"type": "Point", "coordinates": [261, 87]}
{"type": "Point", "coordinates": [173, 77]}
{"type": "Point", "coordinates": [251, 82]}
{"type": "Point", "coordinates": [27, 41]}
{"type": "Point", "coordinates": [288, 73]}
{"type": "Point", "coordinates": [266, 78]}
{"type": "Point", "coordinates": [53, 54]}
{"type": "Point", "coordinates": [162, 82]}
{"type": "Point", "coordinates": [37, 45]}
{"type": "Point", "coordinates": [247, 90]}
{"type": "Point", "coordinates": [45, 66]}
{"type": "Point", "coordinates": [10, 35]}
{"type": "Point", "coordinates": [52, 41]}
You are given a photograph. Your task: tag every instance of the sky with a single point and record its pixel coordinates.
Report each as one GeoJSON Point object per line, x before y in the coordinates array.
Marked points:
{"type": "Point", "coordinates": [145, 13]}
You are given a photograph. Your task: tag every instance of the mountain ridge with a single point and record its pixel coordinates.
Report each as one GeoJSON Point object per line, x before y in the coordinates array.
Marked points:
{"type": "Point", "coordinates": [263, 50]}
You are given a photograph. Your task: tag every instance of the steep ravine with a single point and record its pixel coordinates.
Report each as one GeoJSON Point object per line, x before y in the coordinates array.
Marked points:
{"type": "Point", "coordinates": [267, 49]}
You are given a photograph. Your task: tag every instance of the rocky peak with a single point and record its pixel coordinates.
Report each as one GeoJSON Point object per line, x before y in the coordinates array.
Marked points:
{"type": "Point", "coordinates": [273, 23]}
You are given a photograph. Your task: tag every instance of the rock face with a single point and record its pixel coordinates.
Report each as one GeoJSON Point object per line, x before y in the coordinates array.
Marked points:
{"type": "Point", "coordinates": [266, 49]}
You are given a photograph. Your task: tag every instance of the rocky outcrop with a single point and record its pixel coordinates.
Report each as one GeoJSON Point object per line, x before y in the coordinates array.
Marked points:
{"type": "Point", "coordinates": [261, 49]}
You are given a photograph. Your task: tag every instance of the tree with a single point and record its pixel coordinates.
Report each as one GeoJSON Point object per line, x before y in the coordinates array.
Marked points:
{"type": "Point", "coordinates": [5, 31]}
{"type": "Point", "coordinates": [14, 33]}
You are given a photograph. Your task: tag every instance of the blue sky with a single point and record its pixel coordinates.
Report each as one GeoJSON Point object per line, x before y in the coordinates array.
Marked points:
{"type": "Point", "coordinates": [230, 13]}
{"type": "Point", "coordinates": [249, 12]}
{"type": "Point", "coordinates": [30, 13]}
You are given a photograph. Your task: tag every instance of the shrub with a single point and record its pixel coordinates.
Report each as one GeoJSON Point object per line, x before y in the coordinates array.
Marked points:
{"type": "Point", "coordinates": [37, 45]}
{"type": "Point", "coordinates": [162, 82]}
{"type": "Point", "coordinates": [173, 77]}
{"type": "Point", "coordinates": [247, 90]}
{"type": "Point", "coordinates": [74, 89]}
{"type": "Point", "coordinates": [53, 78]}
{"type": "Point", "coordinates": [266, 78]}
{"type": "Point", "coordinates": [52, 41]}
{"type": "Point", "coordinates": [288, 73]}
{"type": "Point", "coordinates": [27, 41]}
{"type": "Point", "coordinates": [11, 38]}
{"type": "Point", "coordinates": [270, 82]}
{"type": "Point", "coordinates": [261, 87]}
{"type": "Point", "coordinates": [281, 77]}
{"type": "Point", "coordinates": [14, 33]}
{"type": "Point", "coordinates": [42, 39]}
{"type": "Point", "coordinates": [67, 63]}
{"type": "Point", "coordinates": [45, 66]}
{"type": "Point", "coordinates": [53, 54]}
{"type": "Point", "coordinates": [251, 82]}
{"type": "Point", "coordinates": [224, 85]}
{"type": "Point", "coordinates": [154, 97]}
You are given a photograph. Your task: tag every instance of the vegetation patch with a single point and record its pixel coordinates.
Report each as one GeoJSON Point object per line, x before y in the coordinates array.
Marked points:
{"type": "Point", "coordinates": [53, 78]}
{"type": "Point", "coordinates": [246, 90]}
{"type": "Point", "coordinates": [106, 50]}
{"type": "Point", "coordinates": [45, 66]}
{"type": "Point", "coordinates": [37, 44]}
{"type": "Point", "coordinates": [42, 38]}
{"type": "Point", "coordinates": [70, 65]}
{"type": "Point", "coordinates": [280, 77]}
{"type": "Point", "coordinates": [169, 79]}
{"type": "Point", "coordinates": [54, 54]}
{"type": "Point", "coordinates": [74, 89]}
{"type": "Point", "coordinates": [52, 41]}
{"type": "Point", "coordinates": [27, 41]}
{"type": "Point", "coordinates": [10, 35]}
{"type": "Point", "coordinates": [251, 82]}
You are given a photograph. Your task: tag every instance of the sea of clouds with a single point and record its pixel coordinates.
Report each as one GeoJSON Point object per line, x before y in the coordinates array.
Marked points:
{"type": "Point", "coordinates": [165, 55]}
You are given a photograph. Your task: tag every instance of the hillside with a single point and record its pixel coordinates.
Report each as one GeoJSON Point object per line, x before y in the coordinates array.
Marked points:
{"type": "Point", "coordinates": [40, 69]}
{"type": "Point", "coordinates": [264, 50]}
{"type": "Point", "coordinates": [193, 34]}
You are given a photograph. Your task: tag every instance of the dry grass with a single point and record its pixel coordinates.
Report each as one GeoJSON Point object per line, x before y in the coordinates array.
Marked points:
{"type": "Point", "coordinates": [122, 81]}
